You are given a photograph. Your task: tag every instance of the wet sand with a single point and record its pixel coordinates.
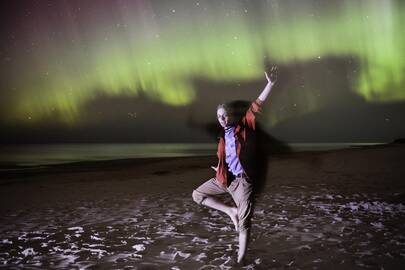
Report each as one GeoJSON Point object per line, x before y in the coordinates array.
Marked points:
{"type": "Point", "coordinates": [342, 209]}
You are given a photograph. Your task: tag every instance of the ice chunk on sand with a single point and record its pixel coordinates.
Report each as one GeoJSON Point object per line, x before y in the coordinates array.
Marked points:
{"type": "Point", "coordinates": [76, 229]}
{"type": "Point", "coordinates": [28, 252]}
{"type": "Point", "coordinates": [172, 256]}
{"type": "Point", "coordinates": [139, 247]}
{"type": "Point", "coordinates": [200, 256]}
{"type": "Point", "coordinates": [93, 237]}
{"type": "Point", "coordinates": [377, 225]}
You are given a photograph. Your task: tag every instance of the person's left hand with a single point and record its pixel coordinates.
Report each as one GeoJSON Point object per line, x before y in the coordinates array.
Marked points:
{"type": "Point", "coordinates": [272, 77]}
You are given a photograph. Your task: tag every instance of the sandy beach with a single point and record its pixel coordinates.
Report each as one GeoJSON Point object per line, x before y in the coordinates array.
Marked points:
{"type": "Point", "coordinates": [341, 209]}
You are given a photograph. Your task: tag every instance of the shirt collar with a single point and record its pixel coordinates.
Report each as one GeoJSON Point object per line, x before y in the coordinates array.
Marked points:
{"type": "Point", "coordinates": [229, 129]}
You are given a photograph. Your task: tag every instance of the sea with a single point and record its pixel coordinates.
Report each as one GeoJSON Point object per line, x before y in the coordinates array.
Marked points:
{"type": "Point", "coordinates": [26, 155]}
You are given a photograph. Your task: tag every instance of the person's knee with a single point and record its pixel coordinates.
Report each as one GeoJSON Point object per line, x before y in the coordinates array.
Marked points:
{"type": "Point", "coordinates": [197, 197]}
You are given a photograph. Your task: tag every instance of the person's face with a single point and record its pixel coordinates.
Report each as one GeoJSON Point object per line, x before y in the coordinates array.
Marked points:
{"type": "Point", "coordinates": [223, 118]}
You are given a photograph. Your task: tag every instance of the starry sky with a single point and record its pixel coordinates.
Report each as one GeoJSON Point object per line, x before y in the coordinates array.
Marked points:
{"type": "Point", "coordinates": [146, 71]}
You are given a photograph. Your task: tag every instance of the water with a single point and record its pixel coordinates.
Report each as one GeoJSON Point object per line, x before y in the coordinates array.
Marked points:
{"type": "Point", "coordinates": [47, 154]}
{"type": "Point", "coordinates": [299, 147]}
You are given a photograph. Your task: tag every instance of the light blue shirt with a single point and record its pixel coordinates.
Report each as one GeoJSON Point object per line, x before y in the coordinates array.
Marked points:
{"type": "Point", "coordinates": [231, 157]}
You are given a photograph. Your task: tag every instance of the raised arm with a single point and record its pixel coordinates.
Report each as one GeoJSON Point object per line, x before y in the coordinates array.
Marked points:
{"type": "Point", "coordinates": [250, 118]}
{"type": "Point", "coordinates": [271, 80]}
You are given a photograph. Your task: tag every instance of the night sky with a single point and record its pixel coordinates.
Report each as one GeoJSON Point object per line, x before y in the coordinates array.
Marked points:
{"type": "Point", "coordinates": [154, 71]}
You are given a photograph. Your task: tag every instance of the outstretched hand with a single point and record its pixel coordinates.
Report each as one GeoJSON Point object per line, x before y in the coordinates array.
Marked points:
{"type": "Point", "coordinates": [271, 79]}
{"type": "Point", "coordinates": [272, 76]}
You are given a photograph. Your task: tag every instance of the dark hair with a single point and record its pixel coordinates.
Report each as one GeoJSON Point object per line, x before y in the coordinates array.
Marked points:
{"type": "Point", "coordinates": [235, 109]}
{"type": "Point", "coordinates": [223, 106]}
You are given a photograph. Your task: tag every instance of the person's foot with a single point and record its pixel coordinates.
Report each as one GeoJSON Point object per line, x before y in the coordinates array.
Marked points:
{"type": "Point", "coordinates": [241, 260]}
{"type": "Point", "coordinates": [233, 214]}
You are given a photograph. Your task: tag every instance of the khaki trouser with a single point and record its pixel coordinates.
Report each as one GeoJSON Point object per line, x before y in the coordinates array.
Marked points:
{"type": "Point", "coordinates": [241, 191]}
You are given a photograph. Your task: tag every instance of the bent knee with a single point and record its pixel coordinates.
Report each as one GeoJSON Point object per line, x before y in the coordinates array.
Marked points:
{"type": "Point", "coordinates": [197, 197]}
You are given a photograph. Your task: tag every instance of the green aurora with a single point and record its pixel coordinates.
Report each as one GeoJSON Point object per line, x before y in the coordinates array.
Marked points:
{"type": "Point", "coordinates": [161, 50]}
